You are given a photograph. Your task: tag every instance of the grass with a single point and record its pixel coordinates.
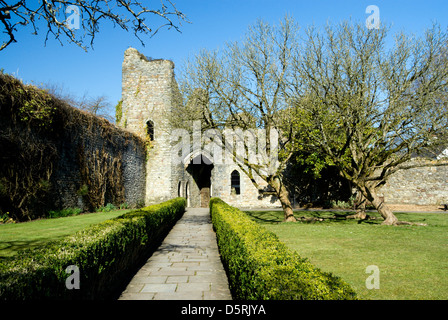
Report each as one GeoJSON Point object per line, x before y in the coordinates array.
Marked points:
{"type": "Point", "coordinates": [19, 236]}
{"type": "Point", "coordinates": [412, 260]}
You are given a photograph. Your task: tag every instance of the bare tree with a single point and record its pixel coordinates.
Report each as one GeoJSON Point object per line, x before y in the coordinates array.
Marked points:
{"type": "Point", "coordinates": [127, 14]}
{"type": "Point", "coordinates": [371, 110]}
{"type": "Point", "coordinates": [245, 86]}
{"type": "Point", "coordinates": [99, 106]}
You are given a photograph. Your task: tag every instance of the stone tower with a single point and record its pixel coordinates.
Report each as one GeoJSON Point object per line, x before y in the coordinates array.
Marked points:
{"type": "Point", "coordinates": [149, 90]}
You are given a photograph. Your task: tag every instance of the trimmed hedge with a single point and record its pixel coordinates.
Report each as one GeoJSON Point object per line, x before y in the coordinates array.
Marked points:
{"type": "Point", "coordinates": [260, 267]}
{"type": "Point", "coordinates": [104, 253]}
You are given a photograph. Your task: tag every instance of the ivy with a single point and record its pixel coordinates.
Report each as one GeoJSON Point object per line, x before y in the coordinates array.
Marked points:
{"type": "Point", "coordinates": [38, 132]}
{"type": "Point", "coordinates": [118, 111]}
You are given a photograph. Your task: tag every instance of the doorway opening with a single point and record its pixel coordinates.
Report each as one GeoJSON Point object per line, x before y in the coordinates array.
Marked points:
{"type": "Point", "coordinates": [201, 171]}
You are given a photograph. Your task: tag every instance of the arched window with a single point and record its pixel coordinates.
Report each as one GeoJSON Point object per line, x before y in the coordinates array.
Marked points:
{"type": "Point", "coordinates": [235, 184]}
{"type": "Point", "coordinates": [150, 130]}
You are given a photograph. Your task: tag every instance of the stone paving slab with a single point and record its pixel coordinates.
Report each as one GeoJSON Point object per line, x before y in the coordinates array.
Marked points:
{"type": "Point", "coordinates": [186, 266]}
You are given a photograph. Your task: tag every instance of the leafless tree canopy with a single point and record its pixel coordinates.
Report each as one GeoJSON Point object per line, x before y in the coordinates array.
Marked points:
{"type": "Point", "coordinates": [98, 105]}
{"type": "Point", "coordinates": [127, 14]}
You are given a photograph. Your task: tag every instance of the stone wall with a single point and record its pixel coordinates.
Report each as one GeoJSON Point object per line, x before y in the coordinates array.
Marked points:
{"type": "Point", "coordinates": [55, 156]}
{"type": "Point", "coordinates": [108, 151]}
{"type": "Point", "coordinates": [249, 195]}
{"type": "Point", "coordinates": [418, 186]}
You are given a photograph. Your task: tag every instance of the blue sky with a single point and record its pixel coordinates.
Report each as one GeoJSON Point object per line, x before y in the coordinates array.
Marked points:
{"type": "Point", "coordinates": [213, 22]}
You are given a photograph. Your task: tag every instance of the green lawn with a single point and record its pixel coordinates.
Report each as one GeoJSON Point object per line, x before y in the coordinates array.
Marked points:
{"type": "Point", "coordinates": [412, 260]}
{"type": "Point", "coordinates": [18, 236]}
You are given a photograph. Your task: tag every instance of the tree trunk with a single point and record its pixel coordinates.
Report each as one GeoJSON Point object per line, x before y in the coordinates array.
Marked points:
{"type": "Point", "coordinates": [385, 212]}
{"type": "Point", "coordinates": [286, 205]}
{"type": "Point", "coordinates": [389, 218]}
{"type": "Point", "coordinates": [360, 207]}
{"type": "Point", "coordinates": [283, 196]}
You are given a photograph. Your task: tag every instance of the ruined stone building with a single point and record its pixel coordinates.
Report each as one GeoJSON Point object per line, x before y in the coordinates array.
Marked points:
{"type": "Point", "coordinates": [87, 162]}
{"type": "Point", "coordinates": [149, 91]}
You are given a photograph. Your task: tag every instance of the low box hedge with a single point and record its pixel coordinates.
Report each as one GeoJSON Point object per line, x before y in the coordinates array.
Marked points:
{"type": "Point", "coordinates": [260, 267]}
{"type": "Point", "coordinates": [104, 254]}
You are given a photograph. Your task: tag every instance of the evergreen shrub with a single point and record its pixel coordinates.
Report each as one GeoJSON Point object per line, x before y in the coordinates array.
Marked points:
{"type": "Point", "coordinates": [104, 254]}
{"type": "Point", "coordinates": [260, 267]}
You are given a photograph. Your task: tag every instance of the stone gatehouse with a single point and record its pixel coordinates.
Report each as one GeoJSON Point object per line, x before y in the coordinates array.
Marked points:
{"type": "Point", "coordinates": [149, 91]}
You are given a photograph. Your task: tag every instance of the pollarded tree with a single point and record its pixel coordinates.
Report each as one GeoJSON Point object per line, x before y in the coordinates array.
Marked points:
{"type": "Point", "coordinates": [371, 110]}
{"type": "Point", "coordinates": [79, 19]}
{"type": "Point", "coordinates": [245, 85]}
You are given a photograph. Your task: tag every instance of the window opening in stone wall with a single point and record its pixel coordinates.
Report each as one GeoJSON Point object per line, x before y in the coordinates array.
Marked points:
{"type": "Point", "coordinates": [179, 189]}
{"type": "Point", "coordinates": [187, 193]}
{"type": "Point", "coordinates": [235, 182]}
{"type": "Point", "coordinates": [150, 130]}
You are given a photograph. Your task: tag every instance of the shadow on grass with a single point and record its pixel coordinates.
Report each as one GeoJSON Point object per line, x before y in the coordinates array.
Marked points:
{"type": "Point", "coordinates": [11, 248]}
{"type": "Point", "coordinates": [266, 217]}
{"type": "Point", "coordinates": [307, 216]}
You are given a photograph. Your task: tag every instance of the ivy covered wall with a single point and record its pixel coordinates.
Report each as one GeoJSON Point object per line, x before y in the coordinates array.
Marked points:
{"type": "Point", "coordinates": [54, 156]}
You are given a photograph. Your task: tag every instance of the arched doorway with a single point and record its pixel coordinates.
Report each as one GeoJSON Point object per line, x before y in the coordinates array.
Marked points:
{"type": "Point", "coordinates": [200, 168]}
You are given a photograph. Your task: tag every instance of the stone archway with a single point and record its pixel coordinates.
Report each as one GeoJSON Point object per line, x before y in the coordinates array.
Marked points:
{"type": "Point", "coordinates": [200, 169]}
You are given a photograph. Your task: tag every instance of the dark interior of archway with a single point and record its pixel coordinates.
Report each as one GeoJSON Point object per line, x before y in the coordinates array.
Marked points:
{"type": "Point", "coordinates": [200, 169]}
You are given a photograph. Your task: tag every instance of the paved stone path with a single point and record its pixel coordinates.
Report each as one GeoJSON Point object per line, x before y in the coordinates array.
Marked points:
{"type": "Point", "coordinates": [186, 266]}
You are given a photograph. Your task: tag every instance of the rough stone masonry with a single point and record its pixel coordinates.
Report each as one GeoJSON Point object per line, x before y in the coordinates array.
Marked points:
{"type": "Point", "coordinates": [149, 93]}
